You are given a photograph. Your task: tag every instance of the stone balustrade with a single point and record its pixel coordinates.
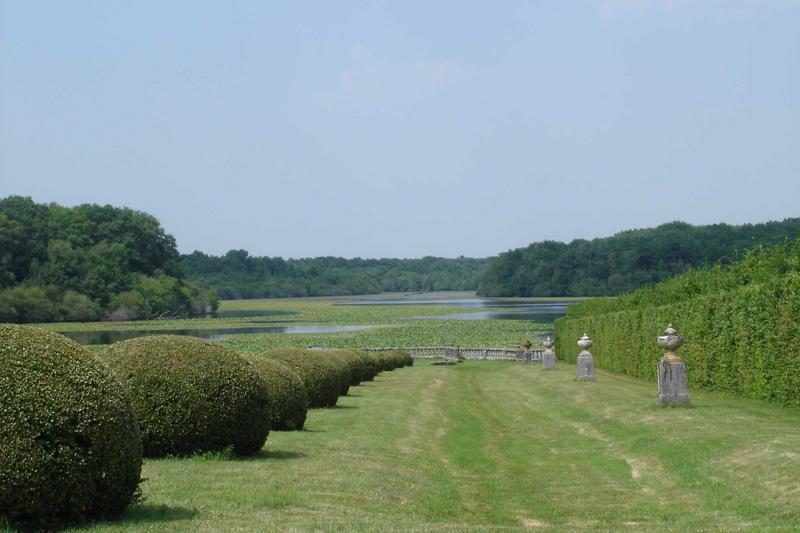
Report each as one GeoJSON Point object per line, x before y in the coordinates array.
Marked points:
{"type": "Point", "coordinates": [438, 352]}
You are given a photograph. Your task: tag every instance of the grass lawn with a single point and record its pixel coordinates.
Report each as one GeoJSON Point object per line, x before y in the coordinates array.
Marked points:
{"type": "Point", "coordinates": [496, 445]}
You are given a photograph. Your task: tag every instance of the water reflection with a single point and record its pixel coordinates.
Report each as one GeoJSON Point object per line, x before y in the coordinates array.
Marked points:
{"type": "Point", "coordinates": [509, 309]}
{"type": "Point", "coordinates": [532, 316]}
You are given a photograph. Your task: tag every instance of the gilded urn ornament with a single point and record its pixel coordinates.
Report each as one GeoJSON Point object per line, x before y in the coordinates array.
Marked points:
{"type": "Point", "coordinates": [670, 341]}
{"type": "Point", "coordinates": [548, 342]}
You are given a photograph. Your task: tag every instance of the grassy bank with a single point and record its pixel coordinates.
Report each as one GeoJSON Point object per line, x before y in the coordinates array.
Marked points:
{"type": "Point", "coordinates": [496, 445]}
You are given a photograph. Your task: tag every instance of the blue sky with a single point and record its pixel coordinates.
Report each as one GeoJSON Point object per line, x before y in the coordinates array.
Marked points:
{"type": "Point", "coordinates": [403, 129]}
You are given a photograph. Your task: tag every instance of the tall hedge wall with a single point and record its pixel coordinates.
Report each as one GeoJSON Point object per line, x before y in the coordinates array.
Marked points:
{"type": "Point", "coordinates": [744, 340]}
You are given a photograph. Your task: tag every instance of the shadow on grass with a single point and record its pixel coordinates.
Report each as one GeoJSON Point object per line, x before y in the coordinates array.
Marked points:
{"type": "Point", "coordinates": [271, 455]}
{"type": "Point", "coordinates": [144, 513]}
{"type": "Point", "coordinates": [344, 407]}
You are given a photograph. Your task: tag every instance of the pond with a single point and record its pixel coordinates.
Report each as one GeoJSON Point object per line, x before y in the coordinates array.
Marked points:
{"type": "Point", "coordinates": [542, 315]}
{"type": "Point", "coordinates": [535, 310]}
{"type": "Point", "coordinates": [213, 334]}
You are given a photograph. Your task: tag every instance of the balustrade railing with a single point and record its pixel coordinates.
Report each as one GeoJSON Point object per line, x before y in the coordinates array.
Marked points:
{"type": "Point", "coordinates": [455, 352]}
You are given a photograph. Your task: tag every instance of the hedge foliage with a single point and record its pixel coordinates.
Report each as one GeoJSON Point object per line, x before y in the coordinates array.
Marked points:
{"type": "Point", "coordinates": [320, 374]}
{"type": "Point", "coordinates": [192, 395]}
{"type": "Point", "coordinates": [373, 364]}
{"type": "Point", "coordinates": [286, 390]}
{"type": "Point", "coordinates": [360, 369]}
{"type": "Point", "coordinates": [741, 326]}
{"type": "Point", "coordinates": [341, 366]}
{"type": "Point", "coordinates": [392, 359]}
{"type": "Point", "coordinates": [70, 447]}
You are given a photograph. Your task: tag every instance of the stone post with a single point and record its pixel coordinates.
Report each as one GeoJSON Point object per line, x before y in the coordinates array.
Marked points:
{"type": "Point", "coordinates": [548, 356]}
{"type": "Point", "coordinates": [528, 355]}
{"type": "Point", "coordinates": [585, 363]}
{"type": "Point", "coordinates": [673, 388]}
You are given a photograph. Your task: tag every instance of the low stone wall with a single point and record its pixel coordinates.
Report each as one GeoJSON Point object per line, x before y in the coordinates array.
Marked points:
{"type": "Point", "coordinates": [450, 352]}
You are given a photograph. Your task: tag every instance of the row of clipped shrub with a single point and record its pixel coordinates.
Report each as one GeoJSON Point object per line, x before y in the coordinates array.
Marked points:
{"type": "Point", "coordinates": [74, 426]}
{"type": "Point", "coordinates": [741, 326]}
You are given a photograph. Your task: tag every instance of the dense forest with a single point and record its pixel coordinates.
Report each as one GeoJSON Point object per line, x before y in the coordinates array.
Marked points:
{"type": "Point", "coordinates": [239, 275]}
{"type": "Point", "coordinates": [89, 262]}
{"type": "Point", "coordinates": [626, 261]}
{"type": "Point", "coordinates": [93, 262]}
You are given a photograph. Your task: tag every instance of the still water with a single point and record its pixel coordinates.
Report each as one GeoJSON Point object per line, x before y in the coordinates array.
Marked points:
{"type": "Point", "coordinates": [482, 308]}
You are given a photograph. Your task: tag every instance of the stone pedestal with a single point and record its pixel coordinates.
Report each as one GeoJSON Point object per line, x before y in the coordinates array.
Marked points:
{"type": "Point", "coordinates": [527, 357]}
{"type": "Point", "coordinates": [585, 362]}
{"type": "Point", "coordinates": [585, 367]}
{"type": "Point", "coordinates": [673, 388]}
{"type": "Point", "coordinates": [548, 355]}
{"type": "Point", "coordinates": [549, 359]}
{"type": "Point", "coordinates": [672, 383]}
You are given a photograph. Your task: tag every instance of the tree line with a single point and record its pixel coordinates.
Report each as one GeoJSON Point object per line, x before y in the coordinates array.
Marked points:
{"type": "Point", "coordinates": [626, 261]}
{"type": "Point", "coordinates": [237, 275]}
{"type": "Point", "coordinates": [90, 262]}
{"type": "Point", "coordinates": [93, 262]}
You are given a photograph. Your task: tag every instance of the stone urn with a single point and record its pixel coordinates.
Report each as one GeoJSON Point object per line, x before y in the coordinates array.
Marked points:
{"type": "Point", "coordinates": [670, 341]}
{"type": "Point", "coordinates": [585, 361]}
{"type": "Point", "coordinates": [584, 342]}
{"type": "Point", "coordinates": [673, 388]}
{"type": "Point", "coordinates": [548, 355]}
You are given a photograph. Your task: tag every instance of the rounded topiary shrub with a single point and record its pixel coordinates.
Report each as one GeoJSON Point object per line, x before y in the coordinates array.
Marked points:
{"type": "Point", "coordinates": [407, 359]}
{"type": "Point", "coordinates": [320, 374]}
{"type": "Point", "coordinates": [374, 363]}
{"type": "Point", "coordinates": [360, 368]}
{"type": "Point", "coordinates": [342, 368]}
{"type": "Point", "coordinates": [392, 359]}
{"type": "Point", "coordinates": [286, 390]}
{"type": "Point", "coordinates": [70, 447]}
{"type": "Point", "coordinates": [192, 395]}
{"type": "Point", "coordinates": [388, 360]}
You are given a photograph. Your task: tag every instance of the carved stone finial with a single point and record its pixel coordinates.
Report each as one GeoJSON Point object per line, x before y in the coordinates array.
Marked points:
{"type": "Point", "coordinates": [671, 341]}
{"type": "Point", "coordinates": [585, 342]}
{"type": "Point", "coordinates": [548, 342]}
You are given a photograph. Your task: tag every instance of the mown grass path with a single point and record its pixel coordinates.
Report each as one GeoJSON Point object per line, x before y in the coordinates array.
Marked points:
{"type": "Point", "coordinates": [496, 446]}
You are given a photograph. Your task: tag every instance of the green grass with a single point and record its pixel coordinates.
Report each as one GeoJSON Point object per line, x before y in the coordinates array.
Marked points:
{"type": "Point", "coordinates": [496, 445]}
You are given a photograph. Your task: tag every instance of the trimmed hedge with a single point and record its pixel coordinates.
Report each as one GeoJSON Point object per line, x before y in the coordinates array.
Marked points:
{"type": "Point", "coordinates": [70, 448]}
{"type": "Point", "coordinates": [742, 339]}
{"type": "Point", "coordinates": [286, 390]}
{"type": "Point", "coordinates": [373, 364]}
{"type": "Point", "coordinates": [360, 369]}
{"type": "Point", "coordinates": [320, 375]}
{"type": "Point", "coordinates": [392, 359]}
{"type": "Point", "coordinates": [342, 368]}
{"type": "Point", "coordinates": [192, 395]}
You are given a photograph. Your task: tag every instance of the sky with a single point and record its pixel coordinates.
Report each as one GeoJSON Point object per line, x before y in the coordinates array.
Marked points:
{"type": "Point", "coordinates": [403, 129]}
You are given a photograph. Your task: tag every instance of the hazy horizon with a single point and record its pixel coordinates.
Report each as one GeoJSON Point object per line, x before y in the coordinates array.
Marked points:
{"type": "Point", "coordinates": [404, 130]}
